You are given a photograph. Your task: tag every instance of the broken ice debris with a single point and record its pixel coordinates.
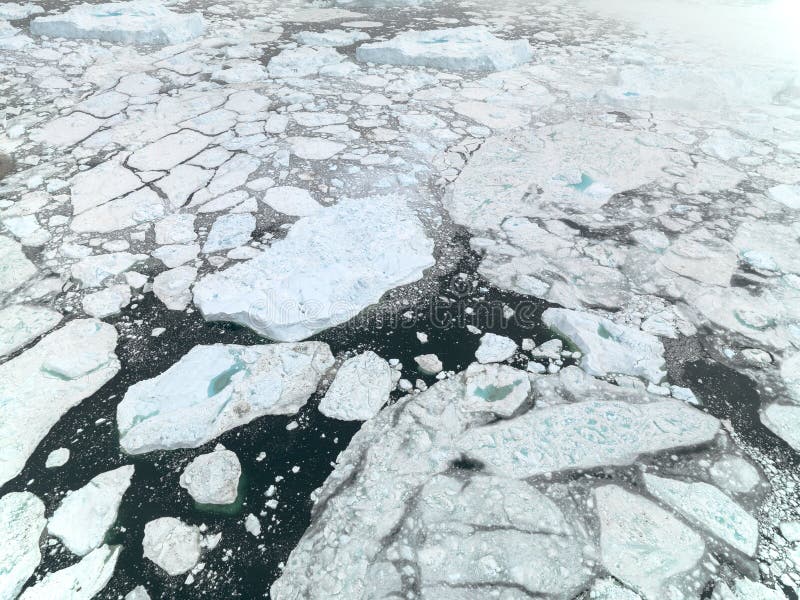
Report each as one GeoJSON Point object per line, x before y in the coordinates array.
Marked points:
{"type": "Point", "coordinates": [213, 389]}
{"type": "Point", "coordinates": [81, 581]}
{"type": "Point", "coordinates": [359, 390]}
{"type": "Point", "coordinates": [498, 389]}
{"type": "Point", "coordinates": [40, 385]}
{"type": "Point", "coordinates": [213, 478]}
{"type": "Point", "coordinates": [608, 347]}
{"type": "Point", "coordinates": [495, 348]}
{"type": "Point", "coordinates": [709, 508]}
{"type": "Point", "coordinates": [784, 421]}
{"type": "Point", "coordinates": [643, 545]}
{"type": "Point", "coordinates": [138, 22]}
{"type": "Point", "coordinates": [21, 524]}
{"type": "Point", "coordinates": [172, 544]}
{"type": "Point", "coordinates": [553, 438]}
{"type": "Point", "coordinates": [22, 323]}
{"type": "Point", "coordinates": [329, 267]}
{"type": "Point", "coordinates": [458, 49]}
{"type": "Point", "coordinates": [85, 515]}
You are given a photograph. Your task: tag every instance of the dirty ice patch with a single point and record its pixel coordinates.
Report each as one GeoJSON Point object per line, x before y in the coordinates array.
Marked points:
{"type": "Point", "coordinates": [459, 49]}
{"type": "Point", "coordinates": [330, 266]}
{"type": "Point", "coordinates": [143, 22]}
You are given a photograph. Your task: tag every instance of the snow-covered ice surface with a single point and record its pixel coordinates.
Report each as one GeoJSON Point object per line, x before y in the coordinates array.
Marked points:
{"type": "Point", "coordinates": [545, 255]}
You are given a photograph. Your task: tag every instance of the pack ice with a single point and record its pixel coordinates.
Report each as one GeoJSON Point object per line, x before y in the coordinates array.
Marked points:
{"type": "Point", "coordinates": [329, 267]}
{"type": "Point", "coordinates": [458, 49]}
{"type": "Point", "coordinates": [40, 385]}
{"type": "Point", "coordinates": [215, 388]}
{"type": "Point", "coordinates": [139, 22]}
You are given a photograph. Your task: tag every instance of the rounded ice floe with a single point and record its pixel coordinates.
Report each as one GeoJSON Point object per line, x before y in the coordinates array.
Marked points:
{"type": "Point", "coordinates": [213, 389]}
{"type": "Point", "coordinates": [172, 544]}
{"type": "Point", "coordinates": [784, 421]}
{"type": "Point", "coordinates": [213, 478]}
{"type": "Point", "coordinates": [290, 200]}
{"type": "Point", "coordinates": [359, 390]}
{"type": "Point", "coordinates": [252, 525]}
{"type": "Point", "coordinates": [138, 22]}
{"type": "Point", "coordinates": [734, 474]}
{"type": "Point", "coordinates": [21, 524]}
{"type": "Point", "coordinates": [85, 515]}
{"type": "Point", "coordinates": [137, 593]}
{"type": "Point", "coordinates": [458, 49]}
{"type": "Point", "coordinates": [329, 267]}
{"type": "Point", "coordinates": [57, 458]}
{"type": "Point", "coordinates": [495, 348]}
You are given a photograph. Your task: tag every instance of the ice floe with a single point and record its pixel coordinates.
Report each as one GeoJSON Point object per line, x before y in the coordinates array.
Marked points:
{"type": "Point", "coordinates": [81, 581]}
{"type": "Point", "coordinates": [215, 388]}
{"type": "Point", "coordinates": [172, 544]}
{"type": "Point", "coordinates": [40, 385]}
{"type": "Point", "coordinates": [22, 522]}
{"type": "Point", "coordinates": [329, 267]}
{"type": "Point", "coordinates": [85, 515]}
{"type": "Point", "coordinates": [213, 478]}
{"type": "Point", "coordinates": [495, 348]}
{"type": "Point", "coordinates": [138, 22]}
{"type": "Point", "coordinates": [359, 390]}
{"type": "Point", "coordinates": [22, 323]}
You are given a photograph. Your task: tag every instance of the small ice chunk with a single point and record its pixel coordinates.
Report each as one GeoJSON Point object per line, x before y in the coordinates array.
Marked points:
{"type": "Point", "coordinates": [173, 287]}
{"type": "Point", "coordinates": [107, 302]}
{"type": "Point", "coordinates": [359, 390]}
{"type": "Point", "coordinates": [213, 478]}
{"type": "Point", "coordinates": [495, 348]}
{"type": "Point", "coordinates": [57, 458]}
{"type": "Point", "coordinates": [302, 61]}
{"type": "Point", "coordinates": [137, 593]}
{"type": "Point", "coordinates": [429, 364]}
{"type": "Point", "coordinates": [252, 525]}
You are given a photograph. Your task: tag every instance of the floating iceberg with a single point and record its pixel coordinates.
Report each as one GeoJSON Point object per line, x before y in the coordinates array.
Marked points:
{"type": "Point", "coordinates": [359, 390]}
{"type": "Point", "coordinates": [21, 524]}
{"type": "Point", "coordinates": [495, 348]}
{"type": "Point", "coordinates": [144, 22]}
{"type": "Point", "coordinates": [458, 49]}
{"type": "Point", "coordinates": [85, 515]}
{"type": "Point", "coordinates": [213, 478]}
{"type": "Point", "coordinates": [216, 388]}
{"type": "Point", "coordinates": [329, 267]}
{"type": "Point", "coordinates": [41, 384]}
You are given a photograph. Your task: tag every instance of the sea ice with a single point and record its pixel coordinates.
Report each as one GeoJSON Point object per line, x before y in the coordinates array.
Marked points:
{"type": "Point", "coordinates": [138, 22]}
{"type": "Point", "coordinates": [22, 521]}
{"type": "Point", "coordinates": [302, 61]}
{"type": "Point", "coordinates": [93, 270]}
{"type": "Point", "coordinates": [15, 268]}
{"type": "Point", "coordinates": [329, 267]}
{"type": "Point", "coordinates": [359, 390]}
{"type": "Point", "coordinates": [172, 544]}
{"type": "Point", "coordinates": [85, 515]}
{"type": "Point", "coordinates": [173, 287]}
{"type": "Point", "coordinates": [96, 186]}
{"type": "Point", "coordinates": [333, 38]}
{"type": "Point", "coordinates": [734, 474]}
{"type": "Point", "coordinates": [213, 478]}
{"type": "Point", "coordinates": [608, 347]}
{"type": "Point", "coordinates": [495, 348]}
{"type": "Point", "coordinates": [81, 581]}
{"type": "Point", "coordinates": [290, 200]}
{"type": "Point", "coordinates": [784, 421]}
{"type": "Point", "coordinates": [169, 151]}
{"type": "Point", "coordinates": [252, 525]}
{"type": "Point", "coordinates": [41, 384]}
{"type": "Point", "coordinates": [499, 389]}
{"type": "Point", "coordinates": [459, 49]}
{"type": "Point", "coordinates": [13, 11]}
{"type": "Point", "coordinates": [137, 593]}
{"type": "Point", "coordinates": [57, 458]}
{"type": "Point", "coordinates": [22, 323]}
{"type": "Point", "coordinates": [107, 302]}
{"type": "Point", "coordinates": [429, 363]}
{"type": "Point", "coordinates": [213, 389]}
{"type": "Point", "coordinates": [643, 545]}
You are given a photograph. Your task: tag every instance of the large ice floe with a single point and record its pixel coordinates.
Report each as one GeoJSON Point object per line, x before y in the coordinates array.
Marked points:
{"type": "Point", "coordinates": [22, 522]}
{"type": "Point", "coordinates": [138, 22]}
{"type": "Point", "coordinates": [329, 267]}
{"type": "Point", "coordinates": [81, 581]}
{"type": "Point", "coordinates": [40, 385]}
{"type": "Point", "coordinates": [215, 388]}
{"type": "Point", "coordinates": [399, 513]}
{"type": "Point", "coordinates": [459, 49]}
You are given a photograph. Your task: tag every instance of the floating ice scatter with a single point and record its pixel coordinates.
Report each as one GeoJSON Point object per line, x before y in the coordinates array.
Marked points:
{"type": "Point", "coordinates": [708, 508]}
{"type": "Point", "coordinates": [361, 387]}
{"type": "Point", "coordinates": [144, 22]}
{"type": "Point", "coordinates": [21, 323]}
{"type": "Point", "coordinates": [40, 385]}
{"type": "Point", "coordinates": [85, 515]}
{"type": "Point", "coordinates": [329, 267]}
{"type": "Point", "coordinates": [21, 523]}
{"type": "Point", "coordinates": [495, 348]}
{"type": "Point", "coordinates": [608, 347]}
{"type": "Point", "coordinates": [643, 545]}
{"type": "Point", "coordinates": [81, 581]}
{"type": "Point", "coordinates": [213, 389]}
{"type": "Point", "coordinates": [172, 544]}
{"type": "Point", "coordinates": [213, 478]}
{"type": "Point", "coordinates": [458, 49]}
